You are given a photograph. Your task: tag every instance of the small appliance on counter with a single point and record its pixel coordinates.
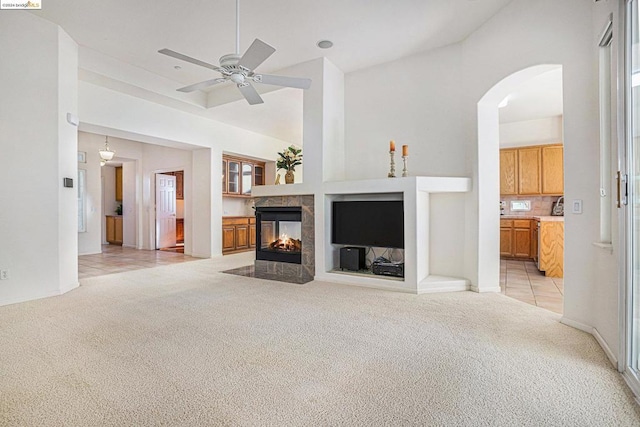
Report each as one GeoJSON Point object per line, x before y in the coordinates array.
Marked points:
{"type": "Point", "coordinates": [558, 207]}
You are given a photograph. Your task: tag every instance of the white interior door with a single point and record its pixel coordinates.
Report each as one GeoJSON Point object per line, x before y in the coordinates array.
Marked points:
{"type": "Point", "coordinates": [165, 211]}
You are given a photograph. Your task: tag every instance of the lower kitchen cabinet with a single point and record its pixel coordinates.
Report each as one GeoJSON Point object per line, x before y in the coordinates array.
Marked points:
{"type": "Point", "coordinates": [114, 230]}
{"type": "Point", "coordinates": [238, 234]}
{"type": "Point", "coordinates": [551, 248]}
{"type": "Point", "coordinates": [515, 238]}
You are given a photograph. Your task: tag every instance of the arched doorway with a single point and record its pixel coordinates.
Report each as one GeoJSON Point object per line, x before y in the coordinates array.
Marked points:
{"type": "Point", "coordinates": [488, 170]}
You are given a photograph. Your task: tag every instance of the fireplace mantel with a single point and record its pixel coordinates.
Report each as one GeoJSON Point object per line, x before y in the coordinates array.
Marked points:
{"type": "Point", "coordinates": [415, 192]}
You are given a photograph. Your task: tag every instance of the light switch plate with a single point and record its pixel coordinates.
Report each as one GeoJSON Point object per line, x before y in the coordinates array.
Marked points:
{"type": "Point", "coordinates": [577, 206]}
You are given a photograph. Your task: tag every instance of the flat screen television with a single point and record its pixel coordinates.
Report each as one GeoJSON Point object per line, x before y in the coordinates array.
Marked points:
{"type": "Point", "coordinates": [368, 223]}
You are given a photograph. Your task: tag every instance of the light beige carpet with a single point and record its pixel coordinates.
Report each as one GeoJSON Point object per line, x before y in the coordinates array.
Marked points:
{"type": "Point", "coordinates": [186, 345]}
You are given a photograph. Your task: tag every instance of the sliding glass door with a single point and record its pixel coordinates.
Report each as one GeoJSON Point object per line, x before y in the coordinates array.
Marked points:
{"type": "Point", "coordinates": [631, 161]}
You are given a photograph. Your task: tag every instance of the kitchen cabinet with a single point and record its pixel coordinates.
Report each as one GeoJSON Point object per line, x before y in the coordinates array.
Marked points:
{"type": "Point", "coordinates": [119, 183]}
{"type": "Point", "coordinates": [114, 230]}
{"type": "Point", "coordinates": [552, 170]}
{"type": "Point", "coordinates": [532, 170]}
{"type": "Point", "coordinates": [239, 175]}
{"type": "Point", "coordinates": [529, 161]}
{"type": "Point", "coordinates": [238, 234]}
{"type": "Point", "coordinates": [508, 171]}
{"type": "Point", "coordinates": [551, 248]}
{"type": "Point", "coordinates": [515, 238]}
{"type": "Point", "coordinates": [179, 230]}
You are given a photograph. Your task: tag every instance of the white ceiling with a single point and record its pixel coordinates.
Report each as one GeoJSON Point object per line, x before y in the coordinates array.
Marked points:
{"type": "Point", "coordinates": [364, 32]}
{"type": "Point", "coordinates": [538, 98]}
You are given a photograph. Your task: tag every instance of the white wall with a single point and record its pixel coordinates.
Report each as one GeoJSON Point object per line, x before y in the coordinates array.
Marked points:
{"type": "Point", "coordinates": [129, 211]}
{"type": "Point", "coordinates": [39, 222]}
{"type": "Point", "coordinates": [437, 115]}
{"type": "Point", "coordinates": [87, 242]}
{"type": "Point", "coordinates": [531, 132]}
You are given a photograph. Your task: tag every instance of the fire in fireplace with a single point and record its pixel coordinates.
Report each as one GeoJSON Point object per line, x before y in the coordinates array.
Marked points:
{"type": "Point", "coordinates": [279, 233]}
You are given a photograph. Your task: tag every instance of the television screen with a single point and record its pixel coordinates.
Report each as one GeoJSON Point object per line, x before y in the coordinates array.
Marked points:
{"type": "Point", "coordinates": [370, 223]}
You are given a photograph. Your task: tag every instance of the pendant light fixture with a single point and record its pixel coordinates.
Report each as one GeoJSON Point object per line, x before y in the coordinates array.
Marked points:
{"type": "Point", "coordinates": [105, 153]}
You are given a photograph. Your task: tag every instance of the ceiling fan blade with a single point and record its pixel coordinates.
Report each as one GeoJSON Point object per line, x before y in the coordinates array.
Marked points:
{"type": "Point", "coordinates": [186, 58]}
{"type": "Point", "coordinates": [250, 93]}
{"type": "Point", "coordinates": [297, 82]}
{"type": "Point", "coordinates": [201, 85]}
{"type": "Point", "coordinates": [257, 53]}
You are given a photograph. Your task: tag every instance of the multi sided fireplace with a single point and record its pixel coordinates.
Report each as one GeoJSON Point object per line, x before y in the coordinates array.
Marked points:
{"type": "Point", "coordinates": [279, 234]}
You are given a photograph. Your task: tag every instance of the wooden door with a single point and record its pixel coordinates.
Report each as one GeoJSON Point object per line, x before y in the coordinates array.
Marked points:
{"type": "Point", "coordinates": [258, 172]}
{"type": "Point", "coordinates": [529, 170]}
{"type": "Point", "coordinates": [552, 248]}
{"type": "Point", "coordinates": [553, 170]}
{"type": "Point", "coordinates": [252, 235]}
{"type": "Point", "coordinates": [228, 238]}
{"type": "Point", "coordinates": [534, 239]}
{"type": "Point", "coordinates": [119, 183]}
{"type": "Point", "coordinates": [506, 242]}
{"type": "Point", "coordinates": [508, 171]}
{"type": "Point", "coordinates": [522, 242]}
{"type": "Point", "coordinates": [242, 236]}
{"type": "Point", "coordinates": [110, 229]}
{"type": "Point", "coordinates": [118, 230]}
{"type": "Point", "coordinates": [165, 211]}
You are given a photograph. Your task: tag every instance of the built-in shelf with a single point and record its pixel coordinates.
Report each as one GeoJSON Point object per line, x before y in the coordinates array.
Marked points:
{"type": "Point", "coordinates": [366, 273]}
{"type": "Point", "coordinates": [415, 192]}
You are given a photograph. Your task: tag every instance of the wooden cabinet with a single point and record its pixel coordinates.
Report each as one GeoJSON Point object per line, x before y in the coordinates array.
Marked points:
{"type": "Point", "coordinates": [239, 175]}
{"type": "Point", "coordinates": [238, 234]}
{"type": "Point", "coordinates": [534, 240]}
{"type": "Point", "coordinates": [179, 230]}
{"type": "Point", "coordinates": [532, 170]}
{"type": "Point", "coordinates": [552, 170]}
{"type": "Point", "coordinates": [508, 171]}
{"type": "Point", "coordinates": [119, 183]}
{"type": "Point", "coordinates": [551, 248]}
{"type": "Point", "coordinates": [114, 230]}
{"type": "Point", "coordinates": [515, 238]}
{"type": "Point", "coordinates": [506, 237]}
{"type": "Point", "coordinates": [529, 160]}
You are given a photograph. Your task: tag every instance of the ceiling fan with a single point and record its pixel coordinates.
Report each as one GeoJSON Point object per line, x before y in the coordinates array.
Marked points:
{"type": "Point", "coordinates": [240, 69]}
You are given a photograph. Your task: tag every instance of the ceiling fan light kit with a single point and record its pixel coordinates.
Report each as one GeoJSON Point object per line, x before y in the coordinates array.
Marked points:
{"type": "Point", "coordinates": [240, 69]}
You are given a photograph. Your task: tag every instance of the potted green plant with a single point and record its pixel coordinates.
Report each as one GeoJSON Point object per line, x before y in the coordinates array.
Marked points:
{"type": "Point", "coordinates": [288, 159]}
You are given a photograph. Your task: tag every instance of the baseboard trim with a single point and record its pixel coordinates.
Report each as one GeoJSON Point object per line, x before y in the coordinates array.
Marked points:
{"type": "Point", "coordinates": [606, 348]}
{"type": "Point", "coordinates": [70, 287]}
{"type": "Point", "coordinates": [477, 289]}
{"type": "Point", "coordinates": [581, 326]}
{"type": "Point", "coordinates": [594, 332]}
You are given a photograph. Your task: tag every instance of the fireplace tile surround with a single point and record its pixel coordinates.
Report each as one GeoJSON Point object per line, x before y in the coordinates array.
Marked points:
{"type": "Point", "coordinates": [283, 271]}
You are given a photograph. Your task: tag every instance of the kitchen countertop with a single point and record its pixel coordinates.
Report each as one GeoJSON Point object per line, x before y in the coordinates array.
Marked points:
{"type": "Point", "coordinates": [544, 218]}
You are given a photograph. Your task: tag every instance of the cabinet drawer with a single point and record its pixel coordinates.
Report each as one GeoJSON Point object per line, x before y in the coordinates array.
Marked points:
{"type": "Point", "coordinates": [522, 223]}
{"type": "Point", "coordinates": [506, 223]}
{"type": "Point", "coordinates": [235, 221]}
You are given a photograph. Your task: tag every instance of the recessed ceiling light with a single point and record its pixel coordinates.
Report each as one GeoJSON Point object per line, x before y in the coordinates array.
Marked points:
{"type": "Point", "coordinates": [324, 44]}
{"type": "Point", "coordinates": [177, 67]}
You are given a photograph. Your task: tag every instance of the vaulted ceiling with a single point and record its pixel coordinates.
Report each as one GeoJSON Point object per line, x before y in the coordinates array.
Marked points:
{"type": "Point", "coordinates": [364, 33]}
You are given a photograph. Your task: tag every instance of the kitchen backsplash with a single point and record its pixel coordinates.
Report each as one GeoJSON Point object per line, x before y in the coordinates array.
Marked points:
{"type": "Point", "coordinates": [540, 205]}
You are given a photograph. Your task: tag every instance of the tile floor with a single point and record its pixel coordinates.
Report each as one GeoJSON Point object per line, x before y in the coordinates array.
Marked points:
{"type": "Point", "coordinates": [116, 259]}
{"type": "Point", "coordinates": [522, 280]}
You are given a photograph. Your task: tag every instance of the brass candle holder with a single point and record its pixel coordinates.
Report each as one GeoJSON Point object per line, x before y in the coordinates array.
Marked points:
{"type": "Point", "coordinates": [405, 171]}
{"type": "Point", "coordinates": [392, 165]}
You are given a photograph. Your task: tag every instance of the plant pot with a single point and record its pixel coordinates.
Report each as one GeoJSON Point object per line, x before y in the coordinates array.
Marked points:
{"type": "Point", "coordinates": [289, 177]}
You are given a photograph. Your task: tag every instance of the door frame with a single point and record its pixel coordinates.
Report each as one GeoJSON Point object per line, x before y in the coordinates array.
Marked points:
{"type": "Point", "coordinates": [152, 192]}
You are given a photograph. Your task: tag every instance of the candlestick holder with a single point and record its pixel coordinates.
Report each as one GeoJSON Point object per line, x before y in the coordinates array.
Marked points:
{"type": "Point", "coordinates": [392, 165]}
{"type": "Point", "coordinates": [405, 172]}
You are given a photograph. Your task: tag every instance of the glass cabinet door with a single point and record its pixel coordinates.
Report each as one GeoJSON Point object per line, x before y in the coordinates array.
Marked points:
{"type": "Point", "coordinates": [247, 178]}
{"type": "Point", "coordinates": [234, 177]}
{"type": "Point", "coordinates": [259, 175]}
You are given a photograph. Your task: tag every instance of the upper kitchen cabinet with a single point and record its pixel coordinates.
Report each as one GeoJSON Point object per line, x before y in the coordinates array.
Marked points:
{"type": "Point", "coordinates": [552, 170]}
{"type": "Point", "coordinates": [508, 171]}
{"type": "Point", "coordinates": [239, 175]}
{"type": "Point", "coordinates": [529, 159]}
{"type": "Point", "coordinates": [533, 170]}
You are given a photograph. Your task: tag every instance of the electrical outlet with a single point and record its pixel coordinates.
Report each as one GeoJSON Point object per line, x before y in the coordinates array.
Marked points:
{"type": "Point", "coordinates": [4, 274]}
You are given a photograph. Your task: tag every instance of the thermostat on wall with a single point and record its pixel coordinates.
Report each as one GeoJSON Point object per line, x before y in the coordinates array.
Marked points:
{"type": "Point", "coordinates": [68, 182]}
